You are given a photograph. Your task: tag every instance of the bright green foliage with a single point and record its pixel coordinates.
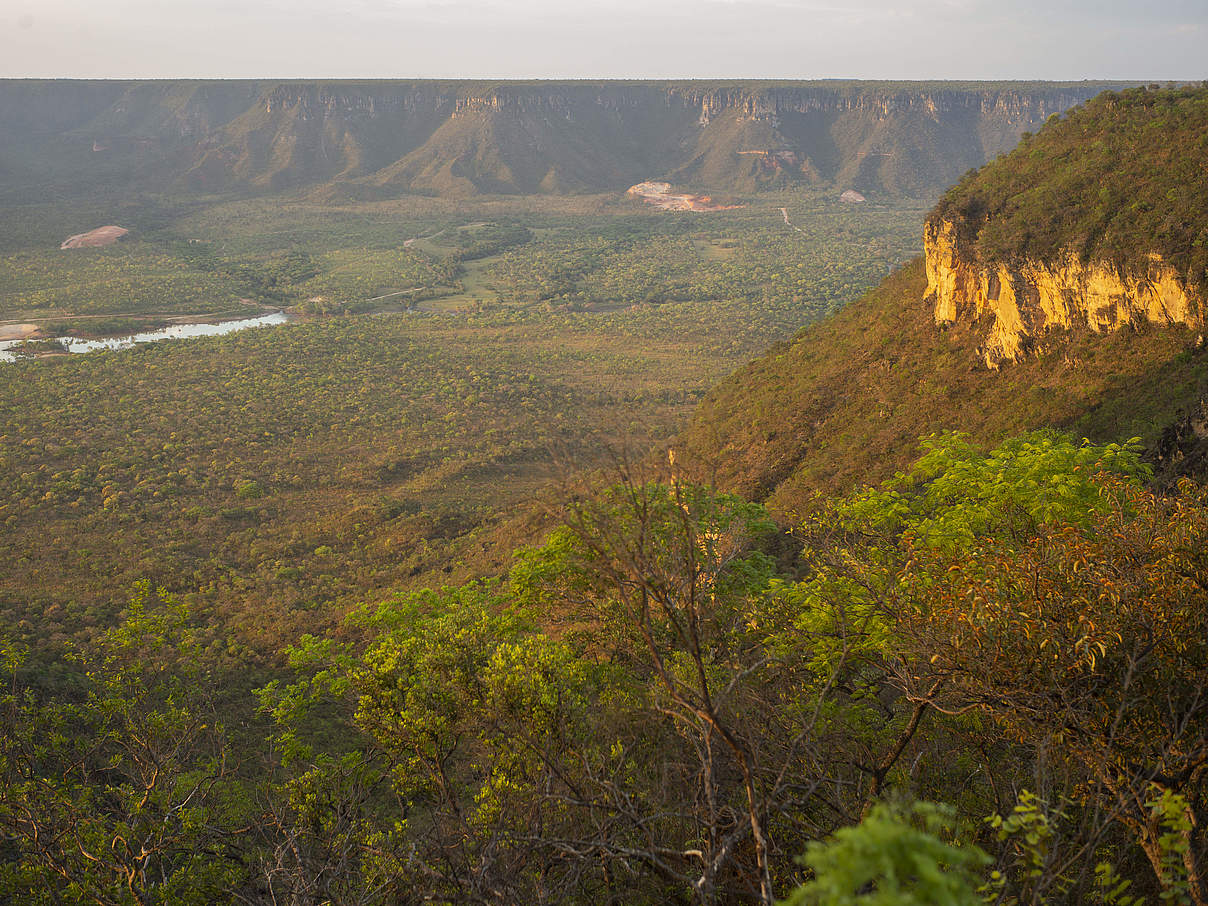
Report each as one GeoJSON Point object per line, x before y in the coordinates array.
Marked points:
{"type": "Point", "coordinates": [699, 546]}
{"type": "Point", "coordinates": [955, 492]}
{"type": "Point", "coordinates": [636, 749]}
{"type": "Point", "coordinates": [1175, 820]}
{"type": "Point", "coordinates": [422, 688]}
{"type": "Point", "coordinates": [466, 730]}
{"type": "Point", "coordinates": [895, 857]}
{"type": "Point", "coordinates": [122, 793]}
{"type": "Point", "coordinates": [1030, 831]}
{"type": "Point", "coordinates": [1034, 869]}
{"type": "Point", "coordinates": [1113, 889]}
{"type": "Point", "coordinates": [1031, 822]}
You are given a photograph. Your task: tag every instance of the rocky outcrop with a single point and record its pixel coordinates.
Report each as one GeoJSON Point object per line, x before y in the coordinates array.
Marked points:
{"type": "Point", "coordinates": [1026, 300]}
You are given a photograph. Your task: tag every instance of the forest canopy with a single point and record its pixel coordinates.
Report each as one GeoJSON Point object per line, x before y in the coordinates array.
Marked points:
{"type": "Point", "coordinates": [984, 680]}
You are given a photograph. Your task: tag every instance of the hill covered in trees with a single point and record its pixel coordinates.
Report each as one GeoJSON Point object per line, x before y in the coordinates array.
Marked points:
{"type": "Point", "coordinates": [373, 139]}
{"type": "Point", "coordinates": [846, 399]}
{"type": "Point", "coordinates": [1119, 179]}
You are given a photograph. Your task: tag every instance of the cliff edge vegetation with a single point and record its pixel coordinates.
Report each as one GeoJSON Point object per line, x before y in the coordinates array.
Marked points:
{"type": "Point", "coordinates": [1099, 220]}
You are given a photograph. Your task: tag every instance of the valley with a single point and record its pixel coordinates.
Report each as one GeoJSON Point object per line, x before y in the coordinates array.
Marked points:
{"type": "Point", "coordinates": [445, 366]}
{"type": "Point", "coordinates": [630, 493]}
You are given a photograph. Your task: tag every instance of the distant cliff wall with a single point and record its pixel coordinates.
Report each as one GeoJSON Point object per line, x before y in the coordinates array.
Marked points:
{"type": "Point", "coordinates": [457, 137]}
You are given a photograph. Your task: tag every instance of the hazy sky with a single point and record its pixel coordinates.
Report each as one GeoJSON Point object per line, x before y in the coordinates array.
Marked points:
{"type": "Point", "coordinates": [927, 39]}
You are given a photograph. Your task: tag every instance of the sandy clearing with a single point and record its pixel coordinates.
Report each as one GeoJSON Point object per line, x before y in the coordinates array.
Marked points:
{"type": "Point", "coordinates": [660, 195]}
{"type": "Point", "coordinates": [18, 331]}
{"type": "Point", "coordinates": [106, 235]}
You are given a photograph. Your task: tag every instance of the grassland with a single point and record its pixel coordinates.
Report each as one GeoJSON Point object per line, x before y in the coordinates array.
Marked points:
{"type": "Point", "coordinates": [451, 365]}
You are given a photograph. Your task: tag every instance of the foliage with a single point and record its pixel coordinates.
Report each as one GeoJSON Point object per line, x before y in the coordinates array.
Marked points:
{"type": "Point", "coordinates": [894, 857]}
{"type": "Point", "coordinates": [1116, 179]}
{"type": "Point", "coordinates": [1088, 645]}
{"type": "Point", "coordinates": [1043, 861]}
{"type": "Point", "coordinates": [658, 705]}
{"type": "Point", "coordinates": [664, 746]}
{"type": "Point", "coordinates": [955, 492]}
{"type": "Point", "coordinates": [123, 791]}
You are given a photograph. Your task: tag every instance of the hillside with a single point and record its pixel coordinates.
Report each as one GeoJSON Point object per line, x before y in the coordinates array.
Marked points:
{"type": "Point", "coordinates": [1101, 219]}
{"type": "Point", "coordinates": [846, 401]}
{"type": "Point", "coordinates": [885, 139]}
{"type": "Point", "coordinates": [1117, 180]}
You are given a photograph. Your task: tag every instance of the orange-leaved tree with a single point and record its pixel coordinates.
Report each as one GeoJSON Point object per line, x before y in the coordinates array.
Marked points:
{"type": "Point", "coordinates": [1092, 641]}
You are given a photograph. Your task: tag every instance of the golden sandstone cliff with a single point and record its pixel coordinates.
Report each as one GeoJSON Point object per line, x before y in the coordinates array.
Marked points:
{"type": "Point", "coordinates": [1026, 300]}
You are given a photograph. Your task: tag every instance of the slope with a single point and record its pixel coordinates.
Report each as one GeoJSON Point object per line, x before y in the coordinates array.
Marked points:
{"type": "Point", "coordinates": [846, 401]}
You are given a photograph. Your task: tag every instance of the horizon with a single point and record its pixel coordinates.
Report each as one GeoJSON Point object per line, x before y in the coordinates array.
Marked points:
{"type": "Point", "coordinates": [587, 80]}
{"type": "Point", "coordinates": [663, 40]}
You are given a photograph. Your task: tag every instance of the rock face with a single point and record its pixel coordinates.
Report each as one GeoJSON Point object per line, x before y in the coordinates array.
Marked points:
{"type": "Point", "coordinates": [1026, 300]}
{"type": "Point", "coordinates": [462, 137]}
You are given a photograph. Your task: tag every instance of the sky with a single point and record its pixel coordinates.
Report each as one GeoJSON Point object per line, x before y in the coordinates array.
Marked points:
{"type": "Point", "coordinates": [564, 39]}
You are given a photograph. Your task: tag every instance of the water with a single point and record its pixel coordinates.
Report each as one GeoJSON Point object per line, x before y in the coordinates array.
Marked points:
{"type": "Point", "coordinates": [175, 332]}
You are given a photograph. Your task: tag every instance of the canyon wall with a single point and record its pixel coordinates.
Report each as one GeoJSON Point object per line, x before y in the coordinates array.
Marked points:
{"type": "Point", "coordinates": [1022, 302]}
{"type": "Point", "coordinates": [884, 139]}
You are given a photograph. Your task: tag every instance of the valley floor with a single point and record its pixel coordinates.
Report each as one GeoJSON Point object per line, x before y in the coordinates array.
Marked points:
{"type": "Point", "coordinates": [449, 364]}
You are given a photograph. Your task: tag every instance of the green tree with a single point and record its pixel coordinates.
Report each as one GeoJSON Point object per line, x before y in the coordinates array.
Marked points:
{"type": "Point", "coordinates": [896, 856]}
{"type": "Point", "coordinates": [121, 791]}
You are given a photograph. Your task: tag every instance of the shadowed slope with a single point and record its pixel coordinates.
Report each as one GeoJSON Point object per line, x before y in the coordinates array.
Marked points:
{"type": "Point", "coordinates": [885, 139]}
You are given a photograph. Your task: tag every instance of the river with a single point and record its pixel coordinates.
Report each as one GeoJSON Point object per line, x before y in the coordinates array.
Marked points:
{"type": "Point", "coordinates": [174, 332]}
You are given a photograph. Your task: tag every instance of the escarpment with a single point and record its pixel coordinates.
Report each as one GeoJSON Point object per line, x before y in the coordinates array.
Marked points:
{"type": "Point", "coordinates": [1038, 259]}
{"type": "Point", "coordinates": [883, 139]}
{"type": "Point", "coordinates": [1023, 301]}
{"type": "Point", "coordinates": [1098, 221]}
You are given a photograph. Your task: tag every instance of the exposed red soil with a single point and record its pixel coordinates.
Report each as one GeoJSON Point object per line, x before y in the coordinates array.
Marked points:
{"type": "Point", "coordinates": [660, 195]}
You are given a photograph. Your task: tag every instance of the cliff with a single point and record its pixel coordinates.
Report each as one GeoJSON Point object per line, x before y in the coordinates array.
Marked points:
{"type": "Point", "coordinates": [1098, 221]}
{"type": "Point", "coordinates": [1023, 301]}
{"type": "Point", "coordinates": [883, 139]}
